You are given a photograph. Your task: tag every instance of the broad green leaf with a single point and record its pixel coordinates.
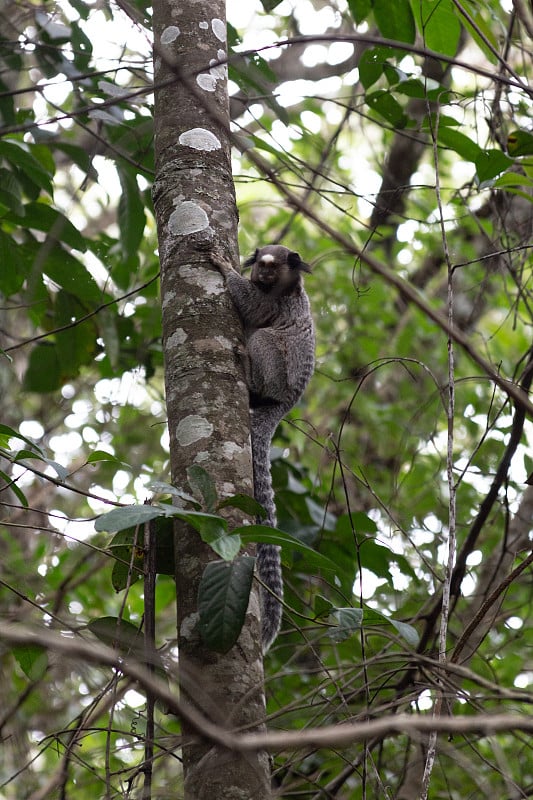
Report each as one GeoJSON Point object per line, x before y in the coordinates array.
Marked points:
{"type": "Point", "coordinates": [322, 606]}
{"type": "Point", "coordinates": [520, 143]}
{"type": "Point", "coordinates": [102, 455]}
{"type": "Point", "coordinates": [71, 275]}
{"type": "Point", "coordinates": [32, 659]}
{"type": "Point", "coordinates": [160, 487]}
{"type": "Point", "coordinates": [347, 621]}
{"type": "Point", "coordinates": [11, 433]}
{"type": "Point", "coordinates": [131, 215]}
{"type": "Point", "coordinates": [222, 601]}
{"type": "Point", "coordinates": [125, 569]}
{"type": "Point", "coordinates": [491, 163]}
{"type": "Point", "coordinates": [42, 217]}
{"type": "Point", "coordinates": [120, 634]}
{"type": "Point", "coordinates": [13, 272]}
{"type": "Point", "coordinates": [76, 345]}
{"type": "Point", "coordinates": [244, 502]}
{"type": "Point", "coordinates": [384, 104]}
{"type": "Point", "coordinates": [372, 63]}
{"type": "Point", "coordinates": [43, 373]}
{"type": "Point", "coordinates": [11, 192]}
{"type": "Point", "coordinates": [481, 32]}
{"type": "Point", "coordinates": [16, 153]}
{"type": "Point", "coordinates": [59, 469]}
{"type": "Point", "coordinates": [202, 482]}
{"type": "Point", "coordinates": [438, 24]}
{"type": "Point", "coordinates": [9, 482]}
{"type": "Point", "coordinates": [214, 532]}
{"type": "Point", "coordinates": [267, 535]}
{"type": "Point", "coordinates": [406, 631]}
{"type": "Point", "coordinates": [375, 619]}
{"type": "Point", "coordinates": [120, 518]}
{"type": "Point", "coordinates": [394, 19]}
{"type": "Point", "coordinates": [359, 9]}
{"type": "Point", "coordinates": [454, 140]}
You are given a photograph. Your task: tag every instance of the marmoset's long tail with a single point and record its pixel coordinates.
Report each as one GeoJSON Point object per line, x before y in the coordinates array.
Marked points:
{"type": "Point", "coordinates": [264, 421]}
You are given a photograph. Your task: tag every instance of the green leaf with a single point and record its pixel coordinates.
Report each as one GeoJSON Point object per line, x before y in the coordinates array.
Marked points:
{"type": "Point", "coordinates": [395, 20]}
{"type": "Point", "coordinates": [102, 455]}
{"type": "Point", "coordinates": [32, 659]}
{"type": "Point", "coordinates": [120, 518]}
{"type": "Point", "coordinates": [347, 621]}
{"type": "Point", "coordinates": [406, 631]}
{"type": "Point", "coordinates": [12, 274]}
{"type": "Point", "coordinates": [438, 25]}
{"type": "Point", "coordinates": [41, 217]}
{"type": "Point", "coordinates": [202, 482]}
{"type": "Point", "coordinates": [131, 216]}
{"type": "Point", "coordinates": [14, 488]}
{"type": "Point", "coordinates": [372, 64]}
{"type": "Point", "coordinates": [58, 468]}
{"type": "Point", "coordinates": [359, 9]}
{"type": "Point", "coordinates": [72, 275]}
{"type": "Point", "coordinates": [491, 163]}
{"type": "Point", "coordinates": [244, 502]}
{"type": "Point", "coordinates": [384, 104]}
{"type": "Point", "coordinates": [124, 541]}
{"type": "Point", "coordinates": [375, 619]}
{"type": "Point", "coordinates": [125, 569]}
{"type": "Point", "coordinates": [43, 373]}
{"type": "Point", "coordinates": [119, 634]}
{"type": "Point", "coordinates": [322, 606]}
{"type": "Point", "coordinates": [520, 143]}
{"type": "Point", "coordinates": [454, 140]}
{"type": "Point", "coordinates": [11, 192]}
{"type": "Point", "coordinates": [214, 532]}
{"type": "Point", "coordinates": [212, 529]}
{"type": "Point", "coordinates": [480, 31]}
{"type": "Point", "coordinates": [160, 487]}
{"type": "Point", "coordinates": [263, 533]}
{"type": "Point", "coordinates": [11, 433]}
{"type": "Point", "coordinates": [17, 154]}
{"type": "Point", "coordinates": [76, 345]}
{"type": "Point", "coordinates": [222, 601]}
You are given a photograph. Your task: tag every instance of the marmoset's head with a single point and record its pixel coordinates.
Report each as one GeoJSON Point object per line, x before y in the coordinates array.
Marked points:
{"type": "Point", "coordinates": [275, 267]}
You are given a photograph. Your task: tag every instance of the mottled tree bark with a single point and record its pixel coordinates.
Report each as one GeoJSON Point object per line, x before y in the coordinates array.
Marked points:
{"type": "Point", "coordinates": [207, 401]}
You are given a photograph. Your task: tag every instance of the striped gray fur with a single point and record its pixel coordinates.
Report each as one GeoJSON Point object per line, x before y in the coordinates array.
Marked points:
{"type": "Point", "coordinates": [278, 363]}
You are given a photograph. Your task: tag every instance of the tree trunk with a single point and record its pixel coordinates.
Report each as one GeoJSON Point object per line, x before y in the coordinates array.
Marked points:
{"type": "Point", "coordinates": [207, 401]}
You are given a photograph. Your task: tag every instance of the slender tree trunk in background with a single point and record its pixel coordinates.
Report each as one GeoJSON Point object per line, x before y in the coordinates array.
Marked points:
{"type": "Point", "coordinates": [206, 398]}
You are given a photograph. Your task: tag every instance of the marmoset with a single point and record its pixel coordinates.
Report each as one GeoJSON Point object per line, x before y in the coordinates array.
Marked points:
{"type": "Point", "coordinates": [278, 363]}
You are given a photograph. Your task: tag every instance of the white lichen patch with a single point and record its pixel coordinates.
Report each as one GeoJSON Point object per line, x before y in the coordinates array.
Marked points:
{"type": "Point", "coordinates": [168, 298]}
{"type": "Point", "coordinates": [219, 29]}
{"type": "Point", "coordinates": [177, 338]}
{"type": "Point", "coordinates": [187, 218]}
{"type": "Point", "coordinates": [213, 283]}
{"type": "Point", "coordinates": [217, 70]}
{"type": "Point", "coordinates": [203, 25]}
{"type": "Point", "coordinates": [206, 82]}
{"type": "Point", "coordinates": [192, 428]}
{"type": "Point", "coordinates": [188, 625]}
{"type": "Point", "coordinates": [230, 450]}
{"type": "Point", "coordinates": [228, 490]}
{"type": "Point", "coordinates": [170, 34]}
{"type": "Point", "coordinates": [202, 456]}
{"type": "Point", "coordinates": [191, 275]}
{"type": "Point", "coordinates": [224, 342]}
{"type": "Point", "coordinates": [200, 139]}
